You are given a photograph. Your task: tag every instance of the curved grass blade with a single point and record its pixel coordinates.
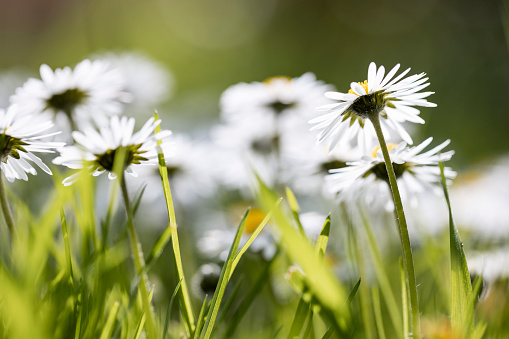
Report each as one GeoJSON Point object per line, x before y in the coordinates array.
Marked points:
{"type": "Point", "coordinates": [462, 310]}
{"type": "Point", "coordinates": [294, 206]}
{"type": "Point", "coordinates": [354, 291]}
{"type": "Point", "coordinates": [172, 226]}
{"type": "Point", "coordinates": [223, 281]}
{"type": "Point", "coordinates": [168, 312]}
{"type": "Point", "coordinates": [253, 236]}
{"type": "Point", "coordinates": [323, 239]}
{"type": "Point", "coordinates": [323, 286]}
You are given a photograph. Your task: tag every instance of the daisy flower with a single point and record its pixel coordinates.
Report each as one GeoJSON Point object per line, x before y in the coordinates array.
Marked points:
{"type": "Point", "coordinates": [367, 178]}
{"type": "Point", "coordinates": [91, 92]}
{"type": "Point", "coordinates": [246, 147]}
{"type": "Point", "coordinates": [275, 96]}
{"type": "Point", "coordinates": [147, 81]}
{"type": "Point", "coordinates": [491, 265]}
{"type": "Point", "coordinates": [480, 198]}
{"type": "Point", "coordinates": [96, 151]}
{"type": "Point", "coordinates": [20, 137]}
{"type": "Point", "coordinates": [391, 98]}
{"type": "Point", "coordinates": [9, 81]}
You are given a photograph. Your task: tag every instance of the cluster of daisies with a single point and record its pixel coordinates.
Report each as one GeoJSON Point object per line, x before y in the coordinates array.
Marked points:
{"type": "Point", "coordinates": [78, 113]}
{"type": "Point", "coordinates": [267, 125]}
{"type": "Point", "coordinates": [297, 132]}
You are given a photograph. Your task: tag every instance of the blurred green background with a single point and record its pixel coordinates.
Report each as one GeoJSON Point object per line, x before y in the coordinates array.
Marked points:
{"type": "Point", "coordinates": [210, 45]}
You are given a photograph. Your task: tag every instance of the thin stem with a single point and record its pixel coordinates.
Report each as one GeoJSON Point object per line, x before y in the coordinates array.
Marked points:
{"type": "Point", "coordinates": [5, 207]}
{"type": "Point", "coordinates": [403, 229]}
{"type": "Point", "coordinates": [139, 263]}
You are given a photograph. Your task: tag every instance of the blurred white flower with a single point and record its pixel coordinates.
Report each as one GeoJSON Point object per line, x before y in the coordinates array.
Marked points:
{"type": "Point", "coordinates": [312, 223]}
{"type": "Point", "coordinates": [305, 163]}
{"type": "Point", "coordinates": [96, 151]}
{"type": "Point", "coordinates": [9, 81]}
{"type": "Point", "coordinates": [275, 96]}
{"type": "Point", "coordinates": [91, 92]}
{"type": "Point", "coordinates": [216, 243]}
{"type": "Point", "coordinates": [367, 178]}
{"type": "Point", "coordinates": [480, 198]}
{"type": "Point", "coordinates": [246, 147]}
{"type": "Point", "coordinates": [147, 81]}
{"type": "Point", "coordinates": [188, 172]}
{"type": "Point", "coordinates": [491, 265]}
{"type": "Point", "coordinates": [391, 99]}
{"type": "Point", "coordinates": [20, 136]}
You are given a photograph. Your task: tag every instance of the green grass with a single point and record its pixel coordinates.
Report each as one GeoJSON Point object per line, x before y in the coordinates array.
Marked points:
{"type": "Point", "coordinates": [68, 273]}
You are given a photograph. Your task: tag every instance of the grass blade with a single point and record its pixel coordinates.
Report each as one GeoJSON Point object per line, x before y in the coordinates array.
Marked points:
{"type": "Point", "coordinates": [168, 312]}
{"type": "Point", "coordinates": [223, 281]}
{"type": "Point", "coordinates": [65, 235]}
{"type": "Point", "coordinates": [323, 285]}
{"type": "Point", "coordinates": [253, 236]}
{"type": "Point", "coordinates": [185, 298]}
{"type": "Point", "coordinates": [200, 318]}
{"type": "Point", "coordinates": [299, 318]}
{"type": "Point", "coordinates": [375, 294]}
{"type": "Point", "coordinates": [329, 332]}
{"type": "Point", "coordinates": [462, 312]}
{"type": "Point", "coordinates": [108, 327]}
{"type": "Point", "coordinates": [294, 206]}
{"type": "Point", "coordinates": [323, 239]}
{"type": "Point", "coordinates": [354, 291]}
{"type": "Point", "coordinates": [383, 280]}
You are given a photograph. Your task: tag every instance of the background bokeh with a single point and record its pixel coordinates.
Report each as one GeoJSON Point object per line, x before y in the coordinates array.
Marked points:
{"type": "Point", "coordinates": [210, 45]}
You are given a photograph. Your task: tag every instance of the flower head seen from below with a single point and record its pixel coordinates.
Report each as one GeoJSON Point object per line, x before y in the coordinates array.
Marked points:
{"type": "Point", "coordinates": [91, 92]}
{"type": "Point", "coordinates": [367, 178]}
{"type": "Point", "coordinates": [96, 151]}
{"type": "Point", "coordinates": [390, 98]}
{"type": "Point", "coordinates": [20, 137]}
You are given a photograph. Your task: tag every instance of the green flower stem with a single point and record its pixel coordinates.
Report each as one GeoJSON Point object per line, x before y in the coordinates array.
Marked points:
{"type": "Point", "coordinates": [5, 207]}
{"type": "Point", "coordinates": [139, 263]}
{"type": "Point", "coordinates": [403, 229]}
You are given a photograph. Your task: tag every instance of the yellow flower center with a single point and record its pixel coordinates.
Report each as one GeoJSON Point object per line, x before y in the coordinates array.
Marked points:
{"type": "Point", "coordinates": [254, 218]}
{"type": "Point", "coordinates": [377, 148]}
{"type": "Point", "coordinates": [277, 78]}
{"type": "Point", "coordinates": [364, 85]}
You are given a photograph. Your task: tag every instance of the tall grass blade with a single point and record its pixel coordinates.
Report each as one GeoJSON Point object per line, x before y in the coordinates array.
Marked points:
{"type": "Point", "coordinates": [223, 281]}
{"type": "Point", "coordinates": [249, 298]}
{"type": "Point", "coordinates": [299, 318]}
{"type": "Point", "coordinates": [462, 309]}
{"type": "Point", "coordinates": [185, 298]}
{"type": "Point", "coordinates": [253, 236]}
{"type": "Point", "coordinates": [322, 285]}
{"type": "Point", "coordinates": [381, 274]}
{"type": "Point", "coordinates": [329, 333]}
{"type": "Point", "coordinates": [375, 294]}
{"type": "Point", "coordinates": [168, 312]}
{"type": "Point", "coordinates": [201, 316]}
{"type": "Point", "coordinates": [108, 327]}
{"type": "Point", "coordinates": [294, 206]}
